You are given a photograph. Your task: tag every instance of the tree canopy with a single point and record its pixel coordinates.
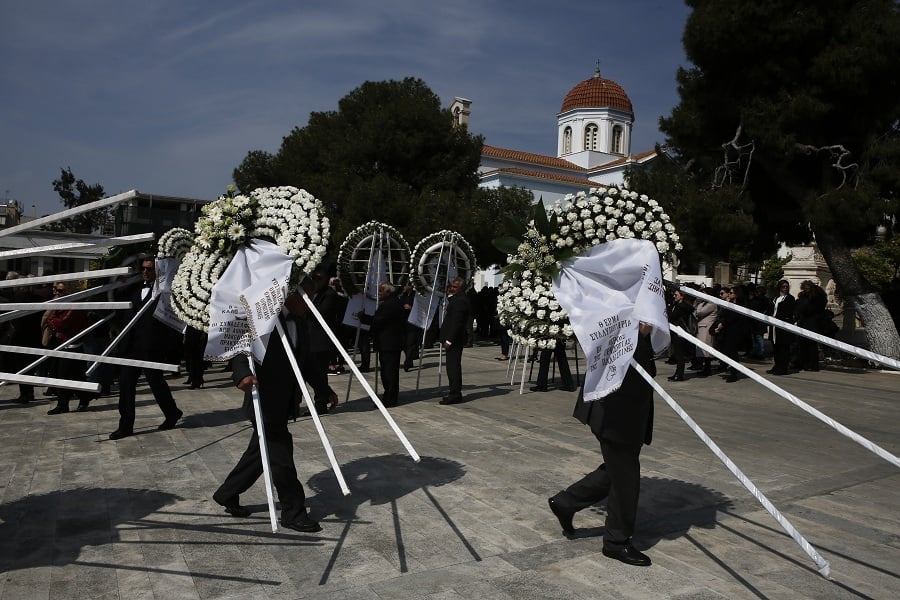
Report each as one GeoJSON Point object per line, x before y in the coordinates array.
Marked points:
{"type": "Point", "coordinates": [74, 193]}
{"type": "Point", "coordinates": [791, 110]}
{"type": "Point", "coordinates": [390, 153]}
{"type": "Point", "coordinates": [799, 115]}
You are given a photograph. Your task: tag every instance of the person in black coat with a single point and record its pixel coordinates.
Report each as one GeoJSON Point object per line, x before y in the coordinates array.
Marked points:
{"type": "Point", "coordinates": [453, 338]}
{"type": "Point", "coordinates": [148, 339]}
{"type": "Point", "coordinates": [732, 329]}
{"type": "Point", "coordinates": [809, 312]}
{"type": "Point", "coordinates": [782, 309]}
{"type": "Point", "coordinates": [680, 311]}
{"type": "Point", "coordinates": [388, 329]}
{"type": "Point", "coordinates": [277, 390]}
{"type": "Point", "coordinates": [622, 422]}
{"type": "Point", "coordinates": [320, 347]}
{"type": "Point", "coordinates": [24, 331]}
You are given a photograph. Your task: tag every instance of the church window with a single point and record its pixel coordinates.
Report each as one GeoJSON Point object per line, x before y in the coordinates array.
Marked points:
{"type": "Point", "coordinates": [567, 140]}
{"type": "Point", "coordinates": [591, 135]}
{"type": "Point", "coordinates": [616, 146]}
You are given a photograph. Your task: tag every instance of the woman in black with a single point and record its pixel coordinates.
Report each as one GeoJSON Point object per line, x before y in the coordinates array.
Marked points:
{"type": "Point", "coordinates": [680, 312]}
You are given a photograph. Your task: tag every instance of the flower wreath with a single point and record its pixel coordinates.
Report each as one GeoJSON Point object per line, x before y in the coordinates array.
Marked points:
{"type": "Point", "coordinates": [440, 246]}
{"type": "Point", "coordinates": [174, 243]}
{"type": "Point", "coordinates": [361, 240]}
{"type": "Point", "coordinates": [289, 216]}
{"type": "Point", "coordinates": [526, 304]}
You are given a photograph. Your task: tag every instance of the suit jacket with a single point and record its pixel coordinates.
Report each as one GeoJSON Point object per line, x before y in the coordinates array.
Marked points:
{"type": "Point", "coordinates": [626, 415]}
{"type": "Point", "coordinates": [149, 339]}
{"type": "Point", "coordinates": [328, 303]}
{"type": "Point", "coordinates": [26, 331]}
{"type": "Point", "coordinates": [453, 329]}
{"type": "Point", "coordinates": [278, 388]}
{"type": "Point", "coordinates": [387, 325]}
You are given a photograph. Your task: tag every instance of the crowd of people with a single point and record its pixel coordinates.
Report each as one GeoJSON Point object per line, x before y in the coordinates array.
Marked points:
{"type": "Point", "coordinates": [740, 337]}
{"type": "Point", "coordinates": [622, 422]}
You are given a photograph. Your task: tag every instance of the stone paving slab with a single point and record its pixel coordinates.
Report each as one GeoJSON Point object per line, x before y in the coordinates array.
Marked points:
{"type": "Point", "coordinates": [84, 517]}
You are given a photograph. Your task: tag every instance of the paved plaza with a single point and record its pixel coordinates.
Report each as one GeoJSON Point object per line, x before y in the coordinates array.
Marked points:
{"type": "Point", "coordinates": [84, 517]}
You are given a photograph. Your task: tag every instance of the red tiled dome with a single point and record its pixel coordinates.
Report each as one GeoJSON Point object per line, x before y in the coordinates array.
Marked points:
{"type": "Point", "coordinates": [597, 92]}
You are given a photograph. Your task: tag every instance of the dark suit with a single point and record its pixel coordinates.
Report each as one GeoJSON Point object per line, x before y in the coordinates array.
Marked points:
{"type": "Point", "coordinates": [319, 349]}
{"type": "Point", "coordinates": [24, 331]}
{"type": "Point", "coordinates": [781, 339]}
{"type": "Point", "coordinates": [150, 340]}
{"type": "Point", "coordinates": [622, 422]}
{"type": "Point", "coordinates": [809, 311]}
{"type": "Point", "coordinates": [388, 329]}
{"type": "Point", "coordinates": [454, 331]}
{"type": "Point", "coordinates": [565, 373]}
{"type": "Point", "coordinates": [277, 390]}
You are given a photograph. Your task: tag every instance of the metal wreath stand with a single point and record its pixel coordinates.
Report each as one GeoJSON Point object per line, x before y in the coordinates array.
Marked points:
{"type": "Point", "coordinates": [446, 257]}
{"type": "Point", "coordinates": [380, 244]}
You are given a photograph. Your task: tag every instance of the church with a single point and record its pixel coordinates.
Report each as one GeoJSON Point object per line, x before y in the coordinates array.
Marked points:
{"type": "Point", "coordinates": [593, 145]}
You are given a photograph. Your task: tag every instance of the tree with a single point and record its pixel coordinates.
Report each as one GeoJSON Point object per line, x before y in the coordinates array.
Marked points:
{"type": "Point", "coordinates": [255, 171]}
{"type": "Point", "coordinates": [491, 206]}
{"type": "Point", "coordinates": [389, 153]}
{"type": "Point", "coordinates": [74, 193]}
{"type": "Point", "coordinates": [798, 116]}
{"type": "Point", "coordinates": [712, 225]}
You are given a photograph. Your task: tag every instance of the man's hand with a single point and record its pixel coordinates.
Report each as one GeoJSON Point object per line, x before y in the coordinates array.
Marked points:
{"type": "Point", "coordinates": [246, 384]}
{"type": "Point", "coordinates": [332, 401]}
{"type": "Point", "coordinates": [644, 328]}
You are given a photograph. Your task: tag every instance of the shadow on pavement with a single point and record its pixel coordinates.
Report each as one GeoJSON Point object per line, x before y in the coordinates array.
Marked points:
{"type": "Point", "coordinates": [51, 529]}
{"type": "Point", "coordinates": [383, 480]}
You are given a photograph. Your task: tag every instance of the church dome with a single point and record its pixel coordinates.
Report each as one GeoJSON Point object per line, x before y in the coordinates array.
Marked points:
{"type": "Point", "coordinates": [597, 92]}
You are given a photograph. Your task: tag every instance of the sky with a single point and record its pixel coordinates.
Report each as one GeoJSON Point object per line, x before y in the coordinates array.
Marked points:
{"type": "Point", "coordinates": [168, 97]}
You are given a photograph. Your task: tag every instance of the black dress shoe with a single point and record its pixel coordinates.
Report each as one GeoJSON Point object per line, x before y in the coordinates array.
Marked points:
{"type": "Point", "coordinates": [563, 516]}
{"type": "Point", "coordinates": [449, 400]}
{"type": "Point", "coordinates": [303, 524]}
{"type": "Point", "coordinates": [118, 434]}
{"type": "Point", "coordinates": [731, 378]}
{"type": "Point", "coordinates": [82, 406]}
{"type": "Point", "coordinates": [538, 388]}
{"type": "Point", "coordinates": [23, 399]}
{"type": "Point", "coordinates": [233, 507]}
{"type": "Point", "coordinates": [627, 554]}
{"type": "Point", "coordinates": [170, 422]}
{"type": "Point", "coordinates": [567, 388]}
{"type": "Point", "coordinates": [58, 410]}
{"type": "Point", "coordinates": [195, 386]}
{"type": "Point", "coordinates": [675, 378]}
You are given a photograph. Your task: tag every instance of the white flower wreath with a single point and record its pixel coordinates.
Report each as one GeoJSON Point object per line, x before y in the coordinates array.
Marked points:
{"type": "Point", "coordinates": [291, 217]}
{"type": "Point", "coordinates": [174, 243]}
{"type": "Point", "coordinates": [526, 304]}
{"type": "Point", "coordinates": [440, 241]}
{"type": "Point", "coordinates": [347, 271]}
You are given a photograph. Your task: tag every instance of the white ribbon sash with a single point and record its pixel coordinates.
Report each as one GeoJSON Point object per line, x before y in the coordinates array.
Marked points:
{"type": "Point", "coordinates": [424, 308]}
{"type": "Point", "coordinates": [607, 291]}
{"type": "Point", "coordinates": [165, 273]}
{"type": "Point", "coordinates": [253, 285]}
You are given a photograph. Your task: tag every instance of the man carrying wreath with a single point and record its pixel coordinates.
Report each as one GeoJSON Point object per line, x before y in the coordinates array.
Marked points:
{"type": "Point", "coordinates": [276, 396]}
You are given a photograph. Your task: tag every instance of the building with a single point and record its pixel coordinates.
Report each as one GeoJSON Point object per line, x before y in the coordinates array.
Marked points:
{"type": "Point", "coordinates": [143, 213]}
{"type": "Point", "coordinates": [594, 128]}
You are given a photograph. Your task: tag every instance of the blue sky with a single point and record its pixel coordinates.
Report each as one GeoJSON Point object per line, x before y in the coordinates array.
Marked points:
{"type": "Point", "coordinates": [167, 97]}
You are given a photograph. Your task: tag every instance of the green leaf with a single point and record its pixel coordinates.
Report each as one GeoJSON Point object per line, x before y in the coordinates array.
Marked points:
{"type": "Point", "coordinates": [540, 219]}
{"type": "Point", "coordinates": [506, 244]}
{"type": "Point", "coordinates": [514, 227]}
